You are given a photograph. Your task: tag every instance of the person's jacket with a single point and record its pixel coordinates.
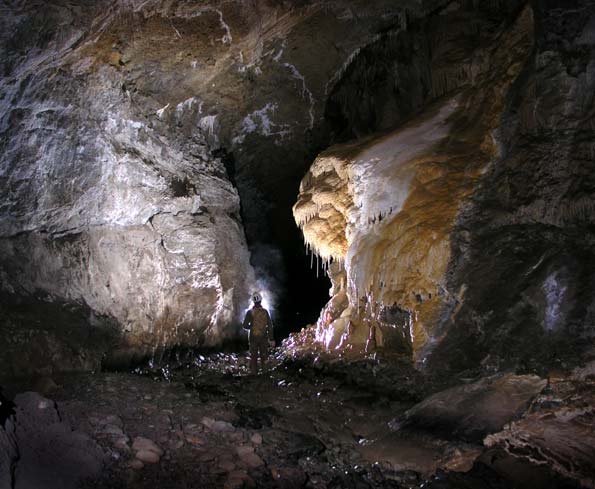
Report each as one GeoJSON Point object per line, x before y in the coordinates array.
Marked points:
{"type": "Point", "coordinates": [258, 322]}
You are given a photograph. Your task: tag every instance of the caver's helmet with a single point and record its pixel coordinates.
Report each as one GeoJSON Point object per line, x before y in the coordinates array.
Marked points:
{"type": "Point", "coordinates": [256, 297]}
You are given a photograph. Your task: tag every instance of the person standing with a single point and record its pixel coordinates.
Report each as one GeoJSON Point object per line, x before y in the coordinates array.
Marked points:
{"type": "Point", "coordinates": [258, 323]}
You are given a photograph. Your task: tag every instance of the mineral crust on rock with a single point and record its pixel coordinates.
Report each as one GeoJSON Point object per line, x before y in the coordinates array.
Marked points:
{"type": "Point", "coordinates": [129, 131]}
{"type": "Point", "coordinates": [384, 207]}
{"type": "Point", "coordinates": [557, 431]}
{"type": "Point", "coordinates": [462, 235]}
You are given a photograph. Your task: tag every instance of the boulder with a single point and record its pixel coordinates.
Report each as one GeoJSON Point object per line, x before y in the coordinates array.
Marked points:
{"type": "Point", "coordinates": [51, 454]}
{"type": "Point", "coordinates": [471, 411]}
{"type": "Point", "coordinates": [148, 456]}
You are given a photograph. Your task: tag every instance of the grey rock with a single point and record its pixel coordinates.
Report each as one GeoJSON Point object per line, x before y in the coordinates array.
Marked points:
{"type": "Point", "coordinates": [8, 454]}
{"type": "Point", "coordinates": [111, 429]}
{"type": "Point", "coordinates": [51, 454]}
{"type": "Point", "coordinates": [218, 425]}
{"type": "Point", "coordinates": [472, 411]}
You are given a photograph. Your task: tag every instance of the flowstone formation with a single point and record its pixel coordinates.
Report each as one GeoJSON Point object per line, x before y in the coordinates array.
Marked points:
{"type": "Point", "coordinates": [463, 237]}
{"type": "Point", "coordinates": [129, 132]}
{"type": "Point", "coordinates": [383, 208]}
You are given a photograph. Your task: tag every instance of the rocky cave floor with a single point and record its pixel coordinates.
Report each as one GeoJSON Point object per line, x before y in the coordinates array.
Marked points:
{"type": "Point", "coordinates": [305, 423]}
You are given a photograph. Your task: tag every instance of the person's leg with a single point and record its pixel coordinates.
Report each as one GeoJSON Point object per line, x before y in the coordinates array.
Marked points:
{"type": "Point", "coordinates": [253, 356]}
{"type": "Point", "coordinates": [264, 353]}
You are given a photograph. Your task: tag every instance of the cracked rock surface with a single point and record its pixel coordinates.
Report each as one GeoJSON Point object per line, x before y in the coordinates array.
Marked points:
{"type": "Point", "coordinates": [129, 130]}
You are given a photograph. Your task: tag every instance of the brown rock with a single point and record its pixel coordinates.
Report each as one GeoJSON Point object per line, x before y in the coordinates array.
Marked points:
{"type": "Point", "coordinates": [206, 457]}
{"type": "Point", "coordinates": [136, 464]}
{"type": "Point", "coordinates": [45, 386]}
{"type": "Point", "coordinates": [144, 444]}
{"type": "Point", "coordinates": [227, 465]}
{"type": "Point", "coordinates": [472, 411]}
{"type": "Point", "coordinates": [122, 443]}
{"type": "Point", "coordinates": [194, 439]}
{"type": "Point", "coordinates": [244, 450]}
{"type": "Point", "coordinates": [239, 478]}
{"type": "Point", "coordinates": [148, 456]}
{"type": "Point", "coordinates": [251, 459]}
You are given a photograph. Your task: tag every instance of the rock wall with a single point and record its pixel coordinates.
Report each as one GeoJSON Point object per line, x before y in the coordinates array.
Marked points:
{"type": "Point", "coordinates": [384, 207]}
{"type": "Point", "coordinates": [463, 237]}
{"type": "Point", "coordinates": [107, 208]}
{"type": "Point", "coordinates": [129, 130]}
{"type": "Point", "coordinates": [522, 272]}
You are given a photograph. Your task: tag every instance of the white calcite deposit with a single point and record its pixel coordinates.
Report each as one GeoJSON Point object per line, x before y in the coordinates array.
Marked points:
{"type": "Point", "coordinates": [382, 209]}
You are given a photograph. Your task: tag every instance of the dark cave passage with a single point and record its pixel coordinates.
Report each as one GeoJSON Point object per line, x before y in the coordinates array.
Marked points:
{"type": "Point", "coordinates": [278, 252]}
{"type": "Point", "coordinates": [302, 293]}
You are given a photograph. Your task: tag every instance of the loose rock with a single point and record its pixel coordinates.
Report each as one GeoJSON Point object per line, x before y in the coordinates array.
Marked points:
{"type": "Point", "coordinates": [144, 444]}
{"type": "Point", "coordinates": [136, 464]}
{"type": "Point", "coordinates": [251, 459]}
{"type": "Point", "coordinates": [219, 426]}
{"type": "Point", "coordinates": [148, 456]}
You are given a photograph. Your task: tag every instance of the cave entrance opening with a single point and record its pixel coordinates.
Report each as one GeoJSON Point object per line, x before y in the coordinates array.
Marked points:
{"type": "Point", "coordinates": [307, 289]}
{"type": "Point", "coordinates": [297, 292]}
{"type": "Point", "coordinates": [283, 267]}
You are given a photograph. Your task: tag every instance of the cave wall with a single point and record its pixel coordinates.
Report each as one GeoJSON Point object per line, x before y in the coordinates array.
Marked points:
{"type": "Point", "coordinates": [384, 206]}
{"type": "Point", "coordinates": [130, 130]}
{"type": "Point", "coordinates": [151, 153]}
{"type": "Point", "coordinates": [107, 210]}
{"type": "Point", "coordinates": [523, 268]}
{"type": "Point", "coordinates": [462, 238]}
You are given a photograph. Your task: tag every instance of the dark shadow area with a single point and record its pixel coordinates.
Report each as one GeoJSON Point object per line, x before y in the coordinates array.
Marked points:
{"type": "Point", "coordinates": [40, 337]}
{"type": "Point", "coordinates": [6, 408]}
{"type": "Point", "coordinates": [278, 252]}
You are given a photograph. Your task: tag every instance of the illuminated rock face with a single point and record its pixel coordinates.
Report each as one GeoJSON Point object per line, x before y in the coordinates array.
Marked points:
{"type": "Point", "coordinates": [116, 211]}
{"type": "Point", "coordinates": [129, 131]}
{"type": "Point", "coordinates": [384, 208]}
{"type": "Point", "coordinates": [463, 237]}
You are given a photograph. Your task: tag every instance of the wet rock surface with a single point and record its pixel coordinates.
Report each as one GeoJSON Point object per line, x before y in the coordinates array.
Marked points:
{"type": "Point", "coordinates": [384, 206]}
{"type": "Point", "coordinates": [521, 279]}
{"type": "Point", "coordinates": [463, 230]}
{"type": "Point", "coordinates": [557, 430]}
{"type": "Point", "coordinates": [307, 424]}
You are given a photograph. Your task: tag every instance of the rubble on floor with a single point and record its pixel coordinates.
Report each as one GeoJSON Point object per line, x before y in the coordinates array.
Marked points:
{"type": "Point", "coordinates": [307, 423]}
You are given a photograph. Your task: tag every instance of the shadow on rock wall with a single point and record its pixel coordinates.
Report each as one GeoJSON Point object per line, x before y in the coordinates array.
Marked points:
{"type": "Point", "coordinates": [522, 269]}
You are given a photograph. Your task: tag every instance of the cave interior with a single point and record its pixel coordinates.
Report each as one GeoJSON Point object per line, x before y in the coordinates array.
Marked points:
{"type": "Point", "coordinates": [409, 187]}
